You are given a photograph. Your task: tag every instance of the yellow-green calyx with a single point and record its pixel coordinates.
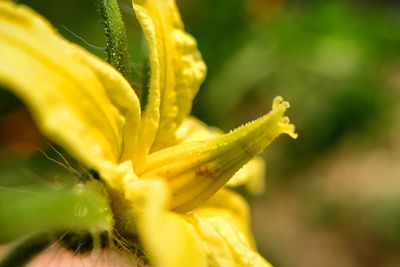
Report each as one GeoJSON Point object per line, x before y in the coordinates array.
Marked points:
{"type": "Point", "coordinates": [196, 170]}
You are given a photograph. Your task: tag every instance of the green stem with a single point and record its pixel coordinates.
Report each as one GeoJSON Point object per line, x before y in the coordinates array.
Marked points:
{"type": "Point", "coordinates": [115, 34]}
{"type": "Point", "coordinates": [83, 208]}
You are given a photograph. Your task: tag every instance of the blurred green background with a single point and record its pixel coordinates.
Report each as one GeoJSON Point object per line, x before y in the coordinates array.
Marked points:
{"type": "Point", "coordinates": [333, 195]}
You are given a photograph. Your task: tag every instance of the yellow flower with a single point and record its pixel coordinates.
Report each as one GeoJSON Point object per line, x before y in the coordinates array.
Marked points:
{"type": "Point", "coordinates": [165, 172]}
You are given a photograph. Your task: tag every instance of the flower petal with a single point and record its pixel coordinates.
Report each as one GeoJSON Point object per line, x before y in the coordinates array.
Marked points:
{"type": "Point", "coordinates": [77, 101]}
{"type": "Point", "coordinates": [166, 236]}
{"type": "Point", "coordinates": [251, 175]}
{"type": "Point", "coordinates": [196, 170]}
{"type": "Point", "coordinates": [227, 232]}
{"type": "Point", "coordinates": [217, 250]}
{"type": "Point", "coordinates": [121, 95]}
{"type": "Point", "coordinates": [229, 203]}
{"type": "Point", "coordinates": [223, 224]}
{"type": "Point", "coordinates": [193, 129]}
{"type": "Point", "coordinates": [177, 70]}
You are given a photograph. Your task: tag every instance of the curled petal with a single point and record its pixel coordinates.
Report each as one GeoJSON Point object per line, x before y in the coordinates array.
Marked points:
{"type": "Point", "coordinates": [121, 95]}
{"type": "Point", "coordinates": [77, 101]}
{"type": "Point", "coordinates": [177, 70]}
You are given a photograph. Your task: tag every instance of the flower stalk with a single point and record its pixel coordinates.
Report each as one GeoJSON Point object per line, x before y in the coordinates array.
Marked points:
{"type": "Point", "coordinates": [115, 35]}
{"type": "Point", "coordinates": [83, 208]}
